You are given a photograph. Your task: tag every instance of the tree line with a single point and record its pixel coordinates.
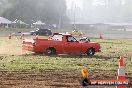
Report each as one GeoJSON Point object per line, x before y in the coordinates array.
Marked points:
{"type": "Point", "coordinates": [29, 11]}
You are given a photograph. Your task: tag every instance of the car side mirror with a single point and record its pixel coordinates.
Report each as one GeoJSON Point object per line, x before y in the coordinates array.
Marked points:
{"type": "Point", "coordinates": [84, 40]}
{"type": "Point", "coordinates": [88, 40]}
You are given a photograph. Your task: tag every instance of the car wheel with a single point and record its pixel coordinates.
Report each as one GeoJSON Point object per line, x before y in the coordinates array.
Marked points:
{"type": "Point", "coordinates": [34, 34]}
{"type": "Point", "coordinates": [90, 52]}
{"type": "Point", "coordinates": [50, 51]}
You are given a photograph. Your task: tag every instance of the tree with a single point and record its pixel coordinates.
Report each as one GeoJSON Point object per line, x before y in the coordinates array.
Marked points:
{"type": "Point", "coordinates": [3, 5]}
{"type": "Point", "coordinates": [48, 11]}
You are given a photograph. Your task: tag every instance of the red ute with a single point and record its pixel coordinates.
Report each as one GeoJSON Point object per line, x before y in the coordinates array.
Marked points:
{"type": "Point", "coordinates": [61, 44]}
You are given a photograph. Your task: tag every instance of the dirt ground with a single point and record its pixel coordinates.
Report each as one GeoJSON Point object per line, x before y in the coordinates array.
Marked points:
{"type": "Point", "coordinates": [44, 79]}
{"type": "Point", "coordinates": [48, 78]}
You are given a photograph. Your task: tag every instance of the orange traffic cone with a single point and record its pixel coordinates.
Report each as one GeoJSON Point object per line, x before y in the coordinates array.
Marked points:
{"type": "Point", "coordinates": [22, 35]}
{"type": "Point", "coordinates": [85, 74]}
{"type": "Point", "coordinates": [121, 70]}
{"type": "Point", "coordinates": [10, 36]}
{"type": "Point", "coordinates": [101, 36]}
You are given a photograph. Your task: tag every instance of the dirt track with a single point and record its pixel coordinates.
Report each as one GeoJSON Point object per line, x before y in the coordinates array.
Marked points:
{"type": "Point", "coordinates": [43, 79]}
{"type": "Point", "coordinates": [46, 79]}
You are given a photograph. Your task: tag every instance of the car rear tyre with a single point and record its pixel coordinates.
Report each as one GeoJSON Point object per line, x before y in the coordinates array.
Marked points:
{"type": "Point", "coordinates": [90, 52]}
{"type": "Point", "coordinates": [50, 51]}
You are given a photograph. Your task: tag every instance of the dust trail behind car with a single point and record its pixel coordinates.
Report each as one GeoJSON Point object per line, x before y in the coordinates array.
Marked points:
{"type": "Point", "coordinates": [11, 46]}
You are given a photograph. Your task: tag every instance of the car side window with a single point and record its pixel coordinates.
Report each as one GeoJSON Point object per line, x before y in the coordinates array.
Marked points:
{"type": "Point", "coordinates": [70, 39]}
{"type": "Point", "coordinates": [57, 37]}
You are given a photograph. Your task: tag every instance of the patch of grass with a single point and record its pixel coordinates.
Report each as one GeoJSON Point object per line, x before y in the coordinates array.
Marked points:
{"type": "Point", "coordinates": [106, 61]}
{"type": "Point", "coordinates": [45, 62]}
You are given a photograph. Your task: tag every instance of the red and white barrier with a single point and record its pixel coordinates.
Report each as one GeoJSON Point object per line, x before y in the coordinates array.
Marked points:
{"type": "Point", "coordinates": [121, 72]}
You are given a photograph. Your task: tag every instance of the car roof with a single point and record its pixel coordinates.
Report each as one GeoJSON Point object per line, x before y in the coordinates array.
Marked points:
{"type": "Point", "coordinates": [61, 34]}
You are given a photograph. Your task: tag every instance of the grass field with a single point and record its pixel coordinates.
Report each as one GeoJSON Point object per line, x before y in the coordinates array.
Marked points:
{"type": "Point", "coordinates": [18, 66]}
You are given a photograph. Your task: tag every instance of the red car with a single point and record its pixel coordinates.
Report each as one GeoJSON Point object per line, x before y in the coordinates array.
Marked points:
{"type": "Point", "coordinates": [61, 43]}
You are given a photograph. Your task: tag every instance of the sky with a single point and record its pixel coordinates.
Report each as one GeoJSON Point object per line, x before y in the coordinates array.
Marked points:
{"type": "Point", "coordinates": [78, 3]}
{"type": "Point", "coordinates": [100, 11]}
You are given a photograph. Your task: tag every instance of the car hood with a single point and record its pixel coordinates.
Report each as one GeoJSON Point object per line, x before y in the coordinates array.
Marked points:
{"type": "Point", "coordinates": [95, 43]}
{"type": "Point", "coordinates": [86, 42]}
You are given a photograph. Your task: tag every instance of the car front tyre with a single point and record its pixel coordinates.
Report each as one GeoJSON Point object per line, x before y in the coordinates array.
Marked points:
{"type": "Point", "coordinates": [90, 52]}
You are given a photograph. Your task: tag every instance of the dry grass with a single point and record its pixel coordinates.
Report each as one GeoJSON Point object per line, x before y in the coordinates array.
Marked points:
{"type": "Point", "coordinates": [10, 46]}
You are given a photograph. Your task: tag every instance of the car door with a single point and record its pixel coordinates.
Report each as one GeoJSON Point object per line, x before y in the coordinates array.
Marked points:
{"type": "Point", "coordinates": [72, 46]}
